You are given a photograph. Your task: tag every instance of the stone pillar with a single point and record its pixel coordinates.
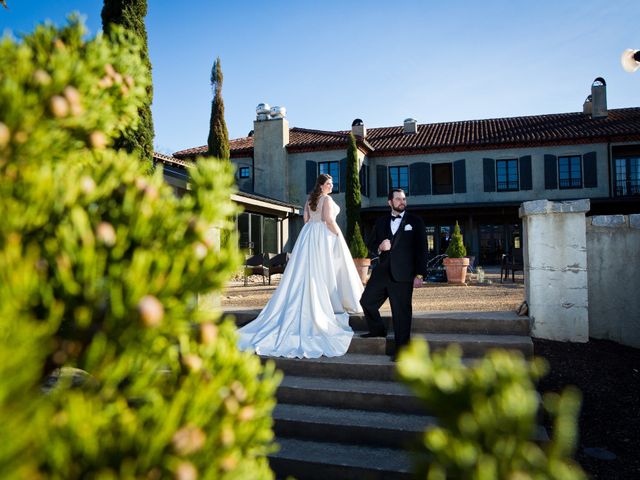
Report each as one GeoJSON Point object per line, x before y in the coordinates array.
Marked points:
{"type": "Point", "coordinates": [555, 266]}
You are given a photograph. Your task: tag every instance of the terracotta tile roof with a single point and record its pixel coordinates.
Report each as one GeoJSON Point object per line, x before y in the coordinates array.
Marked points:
{"type": "Point", "coordinates": [240, 147]}
{"type": "Point", "coordinates": [621, 124]}
{"type": "Point", "coordinates": [275, 201]}
{"type": "Point", "coordinates": [562, 128]}
{"type": "Point", "coordinates": [169, 160]}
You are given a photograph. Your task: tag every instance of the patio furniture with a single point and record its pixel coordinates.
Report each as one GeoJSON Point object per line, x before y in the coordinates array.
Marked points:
{"type": "Point", "coordinates": [256, 265]}
{"type": "Point", "coordinates": [511, 263]}
{"type": "Point", "coordinates": [277, 263]}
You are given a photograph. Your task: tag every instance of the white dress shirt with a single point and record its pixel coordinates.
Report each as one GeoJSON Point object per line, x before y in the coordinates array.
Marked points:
{"type": "Point", "coordinates": [395, 224]}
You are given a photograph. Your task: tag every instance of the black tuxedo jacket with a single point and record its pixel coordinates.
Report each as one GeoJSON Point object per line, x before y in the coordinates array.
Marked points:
{"type": "Point", "coordinates": [408, 254]}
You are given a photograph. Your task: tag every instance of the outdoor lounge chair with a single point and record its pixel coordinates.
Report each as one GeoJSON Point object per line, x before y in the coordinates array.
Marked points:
{"type": "Point", "coordinates": [277, 263]}
{"type": "Point", "coordinates": [256, 265]}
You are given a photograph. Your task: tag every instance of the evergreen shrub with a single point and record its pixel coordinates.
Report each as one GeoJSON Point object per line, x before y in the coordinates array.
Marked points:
{"type": "Point", "coordinates": [487, 417]}
{"type": "Point", "coordinates": [353, 199]}
{"type": "Point", "coordinates": [107, 369]}
{"type": "Point", "coordinates": [456, 248]}
{"type": "Point", "coordinates": [357, 246]}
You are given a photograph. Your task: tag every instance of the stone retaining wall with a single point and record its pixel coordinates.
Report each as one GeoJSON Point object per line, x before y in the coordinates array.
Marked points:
{"type": "Point", "coordinates": [613, 259]}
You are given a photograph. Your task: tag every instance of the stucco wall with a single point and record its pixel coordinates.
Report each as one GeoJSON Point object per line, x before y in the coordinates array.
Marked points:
{"type": "Point", "coordinates": [613, 256]}
{"type": "Point", "coordinates": [475, 177]}
{"type": "Point", "coordinates": [244, 184]}
{"type": "Point", "coordinates": [298, 175]}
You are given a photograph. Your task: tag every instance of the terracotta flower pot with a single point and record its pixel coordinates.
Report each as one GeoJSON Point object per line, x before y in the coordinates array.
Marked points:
{"type": "Point", "coordinates": [362, 266]}
{"type": "Point", "coordinates": [456, 270]}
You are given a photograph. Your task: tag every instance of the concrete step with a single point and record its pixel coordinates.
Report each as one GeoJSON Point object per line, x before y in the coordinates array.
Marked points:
{"type": "Point", "coordinates": [370, 346]}
{"type": "Point", "coordinates": [242, 316]}
{"type": "Point", "coordinates": [354, 366]}
{"type": "Point", "coordinates": [370, 395]}
{"type": "Point", "coordinates": [310, 460]}
{"type": "Point", "coordinates": [384, 429]}
{"type": "Point", "coordinates": [486, 323]}
{"type": "Point", "coordinates": [474, 345]}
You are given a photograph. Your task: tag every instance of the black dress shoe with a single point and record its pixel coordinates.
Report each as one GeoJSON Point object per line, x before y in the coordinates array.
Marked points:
{"type": "Point", "coordinates": [372, 335]}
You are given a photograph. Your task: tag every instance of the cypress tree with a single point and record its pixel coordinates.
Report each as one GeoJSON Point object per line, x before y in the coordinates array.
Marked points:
{"type": "Point", "coordinates": [218, 140]}
{"type": "Point", "coordinates": [131, 14]}
{"type": "Point", "coordinates": [352, 201]}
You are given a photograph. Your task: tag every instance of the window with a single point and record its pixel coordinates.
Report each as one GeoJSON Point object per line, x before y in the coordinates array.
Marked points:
{"type": "Point", "coordinates": [258, 233]}
{"type": "Point", "coordinates": [507, 173]}
{"type": "Point", "coordinates": [627, 176]}
{"type": "Point", "coordinates": [244, 172]}
{"type": "Point", "coordinates": [442, 179]}
{"type": "Point", "coordinates": [399, 178]}
{"type": "Point", "coordinates": [570, 172]}
{"type": "Point", "coordinates": [333, 169]}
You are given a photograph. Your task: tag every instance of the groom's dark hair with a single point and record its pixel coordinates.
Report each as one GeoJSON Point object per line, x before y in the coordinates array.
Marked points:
{"type": "Point", "coordinates": [399, 190]}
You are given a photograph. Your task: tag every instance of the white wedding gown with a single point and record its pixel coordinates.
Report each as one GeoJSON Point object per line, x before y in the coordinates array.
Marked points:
{"type": "Point", "coordinates": [308, 314]}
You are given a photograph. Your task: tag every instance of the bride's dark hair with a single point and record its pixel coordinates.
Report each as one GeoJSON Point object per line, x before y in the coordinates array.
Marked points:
{"type": "Point", "coordinates": [314, 196]}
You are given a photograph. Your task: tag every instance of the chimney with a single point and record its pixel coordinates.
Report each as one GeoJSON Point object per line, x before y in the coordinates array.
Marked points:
{"type": "Point", "coordinates": [270, 139]}
{"type": "Point", "coordinates": [599, 98]}
{"type": "Point", "coordinates": [587, 106]}
{"type": "Point", "coordinates": [358, 129]}
{"type": "Point", "coordinates": [410, 125]}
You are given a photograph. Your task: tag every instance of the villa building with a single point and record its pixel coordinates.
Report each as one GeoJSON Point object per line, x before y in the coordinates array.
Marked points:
{"type": "Point", "coordinates": [475, 172]}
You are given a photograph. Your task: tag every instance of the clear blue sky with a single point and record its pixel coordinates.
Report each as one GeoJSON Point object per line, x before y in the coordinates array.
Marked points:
{"type": "Point", "coordinates": [329, 62]}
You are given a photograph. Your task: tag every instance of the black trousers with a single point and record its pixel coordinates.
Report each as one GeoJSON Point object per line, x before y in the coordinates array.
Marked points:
{"type": "Point", "coordinates": [380, 287]}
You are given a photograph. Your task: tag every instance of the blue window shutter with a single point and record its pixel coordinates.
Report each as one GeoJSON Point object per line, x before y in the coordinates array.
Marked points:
{"type": "Point", "coordinates": [312, 175]}
{"type": "Point", "coordinates": [525, 173]}
{"type": "Point", "coordinates": [382, 182]}
{"type": "Point", "coordinates": [590, 164]}
{"type": "Point", "coordinates": [489, 174]}
{"type": "Point", "coordinates": [419, 183]}
{"type": "Point", "coordinates": [364, 180]}
{"type": "Point", "coordinates": [343, 175]}
{"type": "Point", "coordinates": [459, 176]}
{"type": "Point", "coordinates": [550, 172]}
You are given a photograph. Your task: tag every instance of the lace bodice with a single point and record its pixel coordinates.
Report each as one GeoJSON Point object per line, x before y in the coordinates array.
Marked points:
{"type": "Point", "coordinates": [317, 215]}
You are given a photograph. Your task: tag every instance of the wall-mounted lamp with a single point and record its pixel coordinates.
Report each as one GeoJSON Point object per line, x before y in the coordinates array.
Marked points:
{"type": "Point", "coordinates": [630, 60]}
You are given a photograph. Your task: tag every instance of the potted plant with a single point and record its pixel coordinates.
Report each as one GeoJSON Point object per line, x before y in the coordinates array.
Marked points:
{"type": "Point", "coordinates": [456, 263]}
{"type": "Point", "coordinates": [359, 253]}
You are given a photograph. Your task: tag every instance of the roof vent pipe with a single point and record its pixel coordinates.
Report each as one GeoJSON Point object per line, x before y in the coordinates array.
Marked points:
{"type": "Point", "coordinates": [410, 125]}
{"type": "Point", "coordinates": [262, 112]}
{"type": "Point", "coordinates": [599, 98]}
{"type": "Point", "coordinates": [587, 106]}
{"type": "Point", "coordinates": [358, 129]}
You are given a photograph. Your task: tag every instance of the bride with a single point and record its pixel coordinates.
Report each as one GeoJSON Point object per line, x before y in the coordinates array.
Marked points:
{"type": "Point", "coordinates": [308, 314]}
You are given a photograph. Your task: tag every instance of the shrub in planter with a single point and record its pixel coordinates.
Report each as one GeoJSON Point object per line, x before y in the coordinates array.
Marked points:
{"type": "Point", "coordinates": [357, 246]}
{"type": "Point", "coordinates": [456, 248]}
{"type": "Point", "coordinates": [487, 417]}
{"type": "Point", "coordinates": [107, 369]}
{"type": "Point", "coordinates": [360, 253]}
{"type": "Point", "coordinates": [456, 263]}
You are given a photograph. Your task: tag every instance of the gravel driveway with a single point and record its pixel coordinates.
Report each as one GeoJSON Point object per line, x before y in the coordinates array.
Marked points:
{"type": "Point", "coordinates": [489, 296]}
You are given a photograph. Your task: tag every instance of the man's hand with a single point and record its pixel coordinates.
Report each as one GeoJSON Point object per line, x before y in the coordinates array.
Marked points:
{"type": "Point", "coordinates": [418, 282]}
{"type": "Point", "coordinates": [385, 246]}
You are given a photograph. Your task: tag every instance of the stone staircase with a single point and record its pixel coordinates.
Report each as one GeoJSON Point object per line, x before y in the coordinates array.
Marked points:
{"type": "Point", "coordinates": [347, 417]}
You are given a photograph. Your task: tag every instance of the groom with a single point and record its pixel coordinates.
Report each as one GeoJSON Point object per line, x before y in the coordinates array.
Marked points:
{"type": "Point", "coordinates": [400, 241]}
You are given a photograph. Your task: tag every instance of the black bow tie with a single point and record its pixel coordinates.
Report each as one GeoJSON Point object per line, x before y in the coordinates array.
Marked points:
{"type": "Point", "coordinates": [394, 217]}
